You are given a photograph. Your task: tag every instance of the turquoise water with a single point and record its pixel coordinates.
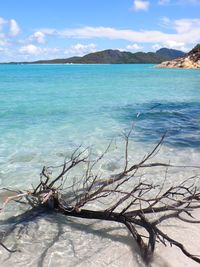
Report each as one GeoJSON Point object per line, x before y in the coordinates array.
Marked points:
{"type": "Point", "coordinates": [47, 110]}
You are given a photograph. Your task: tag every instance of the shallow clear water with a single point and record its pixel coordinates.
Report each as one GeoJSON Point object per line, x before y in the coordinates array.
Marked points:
{"type": "Point", "coordinates": [46, 111]}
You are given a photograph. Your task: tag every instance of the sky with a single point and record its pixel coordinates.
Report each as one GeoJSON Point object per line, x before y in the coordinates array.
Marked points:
{"type": "Point", "coordinates": [46, 29]}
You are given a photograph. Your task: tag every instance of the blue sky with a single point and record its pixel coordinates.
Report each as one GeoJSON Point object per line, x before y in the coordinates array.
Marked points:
{"type": "Point", "coordinates": [38, 29]}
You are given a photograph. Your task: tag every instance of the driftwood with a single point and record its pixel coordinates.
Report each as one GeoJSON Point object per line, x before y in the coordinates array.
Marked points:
{"type": "Point", "coordinates": [130, 200]}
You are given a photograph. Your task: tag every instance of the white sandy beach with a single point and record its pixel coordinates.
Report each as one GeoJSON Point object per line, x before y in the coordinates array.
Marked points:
{"type": "Point", "coordinates": [93, 244]}
{"type": "Point", "coordinates": [67, 242]}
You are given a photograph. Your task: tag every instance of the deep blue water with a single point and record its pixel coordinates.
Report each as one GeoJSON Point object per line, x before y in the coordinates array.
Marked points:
{"type": "Point", "coordinates": [180, 121]}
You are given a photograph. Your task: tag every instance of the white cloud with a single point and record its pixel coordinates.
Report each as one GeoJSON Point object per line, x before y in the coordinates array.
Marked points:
{"type": "Point", "coordinates": [2, 49]}
{"type": "Point", "coordinates": [172, 45]}
{"type": "Point", "coordinates": [3, 39]}
{"type": "Point", "coordinates": [186, 25]}
{"type": "Point", "coordinates": [80, 49]}
{"type": "Point", "coordinates": [134, 47]}
{"type": "Point", "coordinates": [33, 50]}
{"type": "Point", "coordinates": [112, 33]}
{"type": "Point", "coordinates": [184, 33]}
{"type": "Point", "coordinates": [30, 49]}
{"type": "Point", "coordinates": [185, 30]}
{"type": "Point", "coordinates": [176, 45]}
{"type": "Point", "coordinates": [2, 22]}
{"type": "Point", "coordinates": [156, 46]}
{"type": "Point", "coordinates": [141, 5]}
{"type": "Point", "coordinates": [5, 26]}
{"type": "Point", "coordinates": [165, 21]}
{"type": "Point", "coordinates": [14, 28]}
{"type": "Point", "coordinates": [38, 37]}
{"type": "Point", "coordinates": [2, 42]}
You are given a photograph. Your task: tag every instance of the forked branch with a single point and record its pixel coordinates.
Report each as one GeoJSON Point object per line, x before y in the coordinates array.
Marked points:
{"type": "Point", "coordinates": [129, 199]}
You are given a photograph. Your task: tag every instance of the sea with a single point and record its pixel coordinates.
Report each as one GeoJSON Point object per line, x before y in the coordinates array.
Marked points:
{"type": "Point", "coordinates": [47, 111]}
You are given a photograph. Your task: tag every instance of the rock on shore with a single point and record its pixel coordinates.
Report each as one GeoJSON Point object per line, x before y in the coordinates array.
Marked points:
{"type": "Point", "coordinates": [190, 61]}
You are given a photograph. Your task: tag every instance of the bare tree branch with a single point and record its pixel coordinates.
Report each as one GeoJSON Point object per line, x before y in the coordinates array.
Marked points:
{"type": "Point", "coordinates": [129, 199]}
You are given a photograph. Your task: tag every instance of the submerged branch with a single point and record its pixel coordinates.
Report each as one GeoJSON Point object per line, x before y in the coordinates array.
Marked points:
{"type": "Point", "coordinates": [129, 199]}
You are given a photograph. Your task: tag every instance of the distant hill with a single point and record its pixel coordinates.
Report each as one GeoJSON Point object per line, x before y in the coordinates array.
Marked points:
{"type": "Point", "coordinates": [170, 53]}
{"type": "Point", "coordinates": [55, 61]}
{"type": "Point", "coordinates": [110, 56]}
{"type": "Point", "coordinates": [117, 57]}
{"type": "Point", "coordinates": [190, 60]}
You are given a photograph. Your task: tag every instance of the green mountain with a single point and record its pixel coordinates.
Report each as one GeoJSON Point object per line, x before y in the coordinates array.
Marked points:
{"type": "Point", "coordinates": [55, 61]}
{"type": "Point", "coordinates": [170, 53]}
{"type": "Point", "coordinates": [116, 57]}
